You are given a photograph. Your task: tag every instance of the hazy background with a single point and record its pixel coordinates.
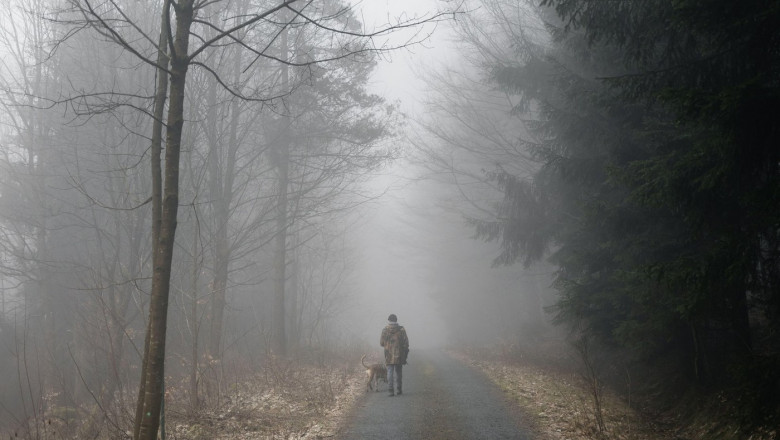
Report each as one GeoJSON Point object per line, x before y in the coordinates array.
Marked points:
{"type": "Point", "coordinates": [419, 258]}
{"type": "Point", "coordinates": [334, 176]}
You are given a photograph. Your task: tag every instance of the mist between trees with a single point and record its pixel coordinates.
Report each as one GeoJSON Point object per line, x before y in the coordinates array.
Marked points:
{"type": "Point", "coordinates": [182, 181]}
{"type": "Point", "coordinates": [176, 177]}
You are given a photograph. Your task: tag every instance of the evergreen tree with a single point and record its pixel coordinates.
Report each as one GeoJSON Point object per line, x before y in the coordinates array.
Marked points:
{"type": "Point", "coordinates": [658, 187]}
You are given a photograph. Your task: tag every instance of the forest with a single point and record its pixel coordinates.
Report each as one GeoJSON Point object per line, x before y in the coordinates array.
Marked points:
{"type": "Point", "coordinates": [194, 193]}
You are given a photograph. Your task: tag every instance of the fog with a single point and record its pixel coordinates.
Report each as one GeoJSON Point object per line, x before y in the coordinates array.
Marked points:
{"type": "Point", "coordinates": [419, 258]}
{"type": "Point", "coordinates": [298, 204]}
{"type": "Point", "coordinates": [263, 185]}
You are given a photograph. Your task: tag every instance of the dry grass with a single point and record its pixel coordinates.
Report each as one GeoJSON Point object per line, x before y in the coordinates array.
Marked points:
{"type": "Point", "coordinates": [284, 399]}
{"type": "Point", "coordinates": [284, 402]}
{"type": "Point", "coordinates": [558, 405]}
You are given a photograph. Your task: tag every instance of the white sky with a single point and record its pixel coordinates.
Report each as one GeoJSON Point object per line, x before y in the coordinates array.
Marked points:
{"type": "Point", "coordinates": [395, 76]}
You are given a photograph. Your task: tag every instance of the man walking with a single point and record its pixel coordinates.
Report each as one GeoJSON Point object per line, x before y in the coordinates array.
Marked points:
{"type": "Point", "coordinates": [396, 346]}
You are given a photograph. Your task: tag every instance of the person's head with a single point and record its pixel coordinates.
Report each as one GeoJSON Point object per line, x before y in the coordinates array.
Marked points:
{"type": "Point", "coordinates": [392, 318]}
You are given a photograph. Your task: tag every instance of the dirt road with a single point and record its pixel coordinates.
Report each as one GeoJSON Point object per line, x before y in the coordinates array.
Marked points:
{"type": "Point", "coordinates": [442, 399]}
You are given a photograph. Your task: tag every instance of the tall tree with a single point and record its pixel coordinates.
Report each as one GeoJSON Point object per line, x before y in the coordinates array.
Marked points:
{"type": "Point", "coordinates": [177, 27]}
{"type": "Point", "coordinates": [657, 176]}
{"type": "Point", "coordinates": [712, 169]}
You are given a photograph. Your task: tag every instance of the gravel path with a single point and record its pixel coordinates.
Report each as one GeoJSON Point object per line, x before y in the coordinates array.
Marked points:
{"type": "Point", "coordinates": [442, 399]}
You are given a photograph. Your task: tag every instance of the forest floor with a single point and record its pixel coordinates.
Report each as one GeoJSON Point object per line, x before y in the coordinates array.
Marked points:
{"type": "Point", "coordinates": [292, 401]}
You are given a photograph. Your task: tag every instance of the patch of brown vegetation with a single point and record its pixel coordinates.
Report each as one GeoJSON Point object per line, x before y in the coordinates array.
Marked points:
{"type": "Point", "coordinates": [296, 402]}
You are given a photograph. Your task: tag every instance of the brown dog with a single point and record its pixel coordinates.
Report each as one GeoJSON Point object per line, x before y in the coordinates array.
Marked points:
{"type": "Point", "coordinates": [375, 372]}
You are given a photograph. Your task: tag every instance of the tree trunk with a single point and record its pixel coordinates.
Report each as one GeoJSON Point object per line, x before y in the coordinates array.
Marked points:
{"type": "Point", "coordinates": [156, 167]}
{"type": "Point", "coordinates": [194, 327]}
{"type": "Point", "coordinates": [295, 317]}
{"type": "Point", "coordinates": [279, 336]}
{"type": "Point", "coordinates": [221, 188]}
{"type": "Point", "coordinates": [216, 193]}
{"type": "Point", "coordinates": [152, 382]}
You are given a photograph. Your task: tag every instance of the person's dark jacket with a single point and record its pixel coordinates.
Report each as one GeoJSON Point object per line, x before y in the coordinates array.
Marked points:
{"type": "Point", "coordinates": [396, 344]}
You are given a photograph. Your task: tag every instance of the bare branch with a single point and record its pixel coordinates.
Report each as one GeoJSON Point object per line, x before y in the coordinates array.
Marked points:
{"type": "Point", "coordinates": [229, 32]}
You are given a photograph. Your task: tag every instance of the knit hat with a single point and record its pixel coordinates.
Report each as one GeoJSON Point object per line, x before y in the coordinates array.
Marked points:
{"type": "Point", "coordinates": [392, 318]}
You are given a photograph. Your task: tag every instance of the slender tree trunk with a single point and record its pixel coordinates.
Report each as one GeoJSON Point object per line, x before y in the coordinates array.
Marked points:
{"type": "Point", "coordinates": [152, 382]}
{"type": "Point", "coordinates": [156, 166]}
{"type": "Point", "coordinates": [279, 337]}
{"type": "Point", "coordinates": [194, 327]}
{"type": "Point", "coordinates": [295, 318]}
{"type": "Point", "coordinates": [37, 163]}
{"type": "Point", "coordinates": [139, 408]}
{"type": "Point", "coordinates": [221, 188]}
{"type": "Point", "coordinates": [280, 258]}
{"type": "Point", "coordinates": [219, 282]}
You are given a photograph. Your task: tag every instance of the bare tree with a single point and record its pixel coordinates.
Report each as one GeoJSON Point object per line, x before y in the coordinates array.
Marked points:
{"type": "Point", "coordinates": [92, 256]}
{"type": "Point", "coordinates": [178, 17]}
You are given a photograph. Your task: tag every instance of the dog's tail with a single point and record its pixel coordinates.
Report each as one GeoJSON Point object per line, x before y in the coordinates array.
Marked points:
{"type": "Point", "coordinates": [361, 361]}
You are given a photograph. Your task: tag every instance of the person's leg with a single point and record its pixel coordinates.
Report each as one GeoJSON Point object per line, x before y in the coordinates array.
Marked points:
{"type": "Point", "coordinates": [390, 377]}
{"type": "Point", "coordinates": [399, 370]}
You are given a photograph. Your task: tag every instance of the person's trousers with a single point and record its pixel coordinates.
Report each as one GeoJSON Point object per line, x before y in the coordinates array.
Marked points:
{"type": "Point", "coordinates": [394, 373]}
